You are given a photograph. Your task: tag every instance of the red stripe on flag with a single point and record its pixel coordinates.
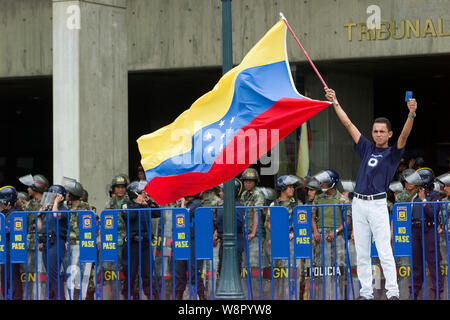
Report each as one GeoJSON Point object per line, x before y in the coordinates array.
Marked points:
{"type": "Point", "coordinates": [285, 115]}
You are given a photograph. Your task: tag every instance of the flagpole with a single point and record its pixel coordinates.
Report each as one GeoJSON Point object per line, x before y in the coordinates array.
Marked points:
{"type": "Point", "coordinates": [229, 284]}
{"type": "Point", "coordinates": [303, 49]}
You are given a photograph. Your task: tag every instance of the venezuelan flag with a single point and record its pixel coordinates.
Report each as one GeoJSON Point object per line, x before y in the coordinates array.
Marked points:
{"type": "Point", "coordinates": [250, 109]}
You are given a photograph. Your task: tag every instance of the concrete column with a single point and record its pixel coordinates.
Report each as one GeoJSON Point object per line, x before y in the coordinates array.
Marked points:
{"type": "Point", "coordinates": [90, 93]}
{"type": "Point", "coordinates": [332, 145]}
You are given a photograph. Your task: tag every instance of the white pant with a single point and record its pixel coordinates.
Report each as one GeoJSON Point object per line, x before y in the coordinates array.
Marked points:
{"type": "Point", "coordinates": [372, 217]}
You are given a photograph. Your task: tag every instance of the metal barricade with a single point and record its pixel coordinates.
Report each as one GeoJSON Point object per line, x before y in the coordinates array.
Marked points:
{"type": "Point", "coordinates": [420, 239]}
{"type": "Point", "coordinates": [283, 267]}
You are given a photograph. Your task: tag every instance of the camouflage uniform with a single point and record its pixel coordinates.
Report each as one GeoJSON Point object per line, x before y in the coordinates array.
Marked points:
{"type": "Point", "coordinates": [33, 205]}
{"type": "Point", "coordinates": [328, 226]}
{"type": "Point", "coordinates": [74, 227]}
{"type": "Point", "coordinates": [22, 204]}
{"type": "Point", "coordinates": [115, 203]}
{"type": "Point", "coordinates": [404, 196]}
{"type": "Point", "coordinates": [75, 240]}
{"type": "Point", "coordinates": [211, 199]}
{"type": "Point", "coordinates": [253, 198]}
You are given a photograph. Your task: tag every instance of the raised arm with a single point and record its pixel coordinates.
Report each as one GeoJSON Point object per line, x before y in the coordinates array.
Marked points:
{"type": "Point", "coordinates": [412, 106]}
{"type": "Point", "coordinates": [354, 132]}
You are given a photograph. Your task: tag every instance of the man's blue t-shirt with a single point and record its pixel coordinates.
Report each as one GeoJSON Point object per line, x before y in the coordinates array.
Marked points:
{"type": "Point", "coordinates": [378, 166]}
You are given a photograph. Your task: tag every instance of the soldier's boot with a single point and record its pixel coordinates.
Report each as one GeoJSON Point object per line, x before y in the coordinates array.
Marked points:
{"type": "Point", "coordinates": [179, 294]}
{"type": "Point", "coordinates": [155, 293]}
{"type": "Point", "coordinates": [90, 294]}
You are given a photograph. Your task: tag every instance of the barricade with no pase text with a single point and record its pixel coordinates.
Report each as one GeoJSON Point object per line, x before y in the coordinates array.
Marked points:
{"type": "Point", "coordinates": [112, 264]}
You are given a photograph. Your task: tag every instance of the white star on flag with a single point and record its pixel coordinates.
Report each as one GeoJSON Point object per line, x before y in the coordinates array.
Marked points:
{"type": "Point", "coordinates": [208, 136]}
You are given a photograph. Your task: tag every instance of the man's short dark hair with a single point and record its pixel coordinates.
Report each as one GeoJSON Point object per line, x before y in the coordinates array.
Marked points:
{"type": "Point", "coordinates": [384, 120]}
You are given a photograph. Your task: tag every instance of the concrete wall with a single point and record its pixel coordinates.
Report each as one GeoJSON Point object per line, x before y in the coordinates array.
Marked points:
{"type": "Point", "coordinates": [90, 66]}
{"type": "Point", "coordinates": [25, 38]}
{"type": "Point", "coordinates": [90, 94]}
{"type": "Point", "coordinates": [187, 33]}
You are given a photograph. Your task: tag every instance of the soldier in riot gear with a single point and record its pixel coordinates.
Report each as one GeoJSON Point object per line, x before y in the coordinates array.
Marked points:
{"type": "Point", "coordinates": [74, 202]}
{"type": "Point", "coordinates": [409, 190]}
{"type": "Point", "coordinates": [138, 239]}
{"type": "Point", "coordinates": [8, 199]}
{"type": "Point", "coordinates": [252, 196]}
{"type": "Point", "coordinates": [22, 200]}
{"type": "Point", "coordinates": [285, 185]}
{"type": "Point", "coordinates": [37, 185]}
{"type": "Point", "coordinates": [327, 222]}
{"type": "Point", "coordinates": [444, 181]}
{"type": "Point", "coordinates": [424, 180]}
{"type": "Point", "coordinates": [55, 236]}
{"type": "Point", "coordinates": [118, 197]}
{"type": "Point", "coordinates": [73, 197]}
{"type": "Point", "coordinates": [313, 189]}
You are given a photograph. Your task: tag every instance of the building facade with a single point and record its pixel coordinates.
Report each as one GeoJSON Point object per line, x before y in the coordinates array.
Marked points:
{"type": "Point", "coordinates": [80, 80]}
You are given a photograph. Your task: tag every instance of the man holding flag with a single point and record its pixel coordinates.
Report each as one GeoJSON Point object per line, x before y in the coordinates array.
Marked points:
{"type": "Point", "coordinates": [379, 163]}
{"type": "Point", "coordinates": [248, 112]}
{"type": "Point", "coordinates": [251, 108]}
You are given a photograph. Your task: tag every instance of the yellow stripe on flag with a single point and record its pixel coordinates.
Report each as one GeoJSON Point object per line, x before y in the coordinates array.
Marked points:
{"type": "Point", "coordinates": [176, 138]}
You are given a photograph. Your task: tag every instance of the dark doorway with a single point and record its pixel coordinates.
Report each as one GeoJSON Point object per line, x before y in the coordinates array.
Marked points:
{"type": "Point", "coordinates": [26, 128]}
{"type": "Point", "coordinates": [157, 98]}
{"type": "Point", "coordinates": [429, 79]}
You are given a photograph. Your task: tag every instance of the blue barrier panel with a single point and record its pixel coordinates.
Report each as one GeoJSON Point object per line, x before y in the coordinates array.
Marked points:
{"type": "Point", "coordinates": [303, 249]}
{"type": "Point", "coordinates": [88, 242]}
{"type": "Point", "coordinates": [279, 240]}
{"type": "Point", "coordinates": [181, 234]}
{"type": "Point", "coordinates": [203, 228]}
{"type": "Point", "coordinates": [88, 236]}
{"type": "Point", "coordinates": [108, 232]}
{"type": "Point", "coordinates": [18, 243]}
{"type": "Point", "coordinates": [18, 237]}
{"type": "Point", "coordinates": [408, 243]}
{"type": "Point", "coordinates": [402, 230]}
{"type": "Point", "coordinates": [108, 243]}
